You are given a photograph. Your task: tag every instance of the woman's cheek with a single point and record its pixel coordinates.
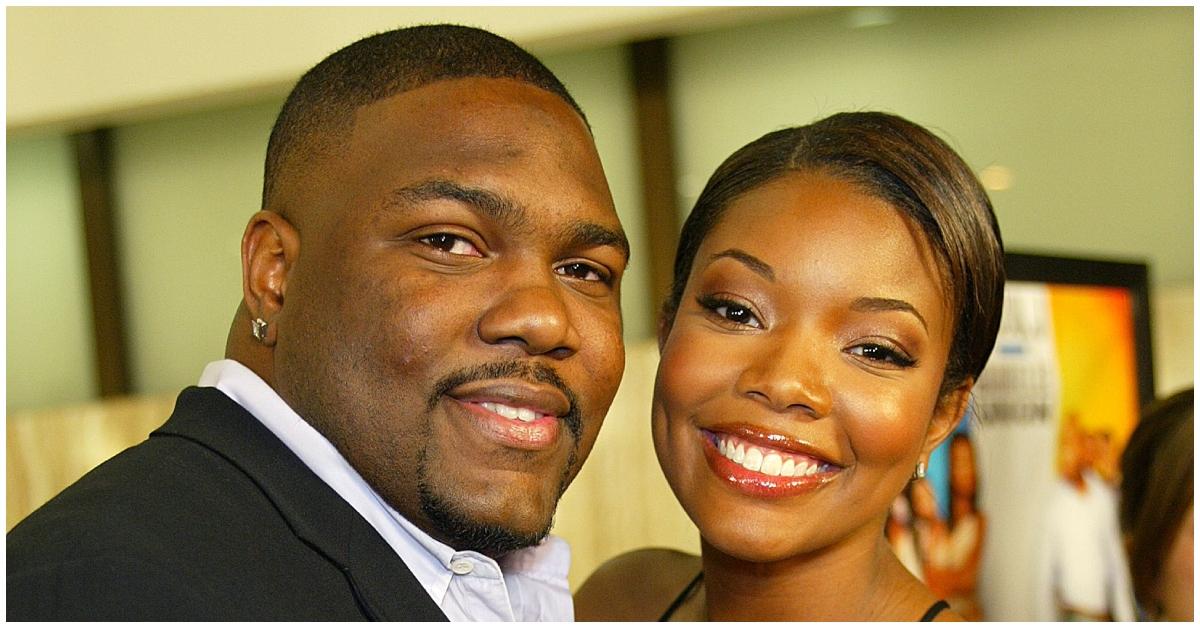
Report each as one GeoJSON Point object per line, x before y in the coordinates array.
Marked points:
{"type": "Point", "coordinates": [693, 369]}
{"type": "Point", "coordinates": [885, 425]}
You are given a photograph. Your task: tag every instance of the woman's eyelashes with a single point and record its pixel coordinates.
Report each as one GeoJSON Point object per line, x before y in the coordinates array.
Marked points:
{"type": "Point", "coordinates": [881, 354]}
{"type": "Point", "coordinates": [730, 312]}
{"type": "Point", "coordinates": [452, 244]}
{"type": "Point", "coordinates": [733, 314]}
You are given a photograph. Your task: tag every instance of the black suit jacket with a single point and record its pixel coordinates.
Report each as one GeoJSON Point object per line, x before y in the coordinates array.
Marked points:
{"type": "Point", "coordinates": [210, 518]}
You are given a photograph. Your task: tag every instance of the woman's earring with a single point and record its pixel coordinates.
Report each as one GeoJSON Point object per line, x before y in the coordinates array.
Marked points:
{"type": "Point", "coordinates": [258, 328]}
{"type": "Point", "coordinates": [919, 474]}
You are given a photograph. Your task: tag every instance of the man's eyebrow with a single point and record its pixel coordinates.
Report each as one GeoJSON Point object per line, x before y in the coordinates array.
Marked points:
{"type": "Point", "coordinates": [751, 262]}
{"type": "Point", "coordinates": [881, 304]}
{"type": "Point", "coordinates": [485, 201]}
{"type": "Point", "coordinates": [590, 234]}
{"type": "Point", "coordinates": [505, 211]}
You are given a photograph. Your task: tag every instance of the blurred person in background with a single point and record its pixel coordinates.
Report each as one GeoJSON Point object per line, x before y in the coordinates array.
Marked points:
{"type": "Point", "coordinates": [967, 528]}
{"type": "Point", "coordinates": [1080, 557]}
{"type": "Point", "coordinates": [1157, 509]}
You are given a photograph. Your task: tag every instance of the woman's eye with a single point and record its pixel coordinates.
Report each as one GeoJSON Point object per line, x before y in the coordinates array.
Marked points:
{"type": "Point", "coordinates": [883, 355]}
{"type": "Point", "coordinates": [731, 311]}
{"type": "Point", "coordinates": [450, 243]}
{"type": "Point", "coordinates": [579, 270]}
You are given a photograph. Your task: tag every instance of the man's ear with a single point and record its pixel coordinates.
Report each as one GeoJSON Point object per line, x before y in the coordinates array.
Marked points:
{"type": "Point", "coordinates": [270, 246]}
{"type": "Point", "coordinates": [946, 416]}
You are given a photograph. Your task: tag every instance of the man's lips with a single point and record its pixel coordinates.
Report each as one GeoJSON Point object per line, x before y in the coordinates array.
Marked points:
{"type": "Point", "coordinates": [542, 400]}
{"type": "Point", "coordinates": [514, 414]}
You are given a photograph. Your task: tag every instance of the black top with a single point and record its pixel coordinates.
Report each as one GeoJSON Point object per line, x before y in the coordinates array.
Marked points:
{"type": "Point", "coordinates": [687, 591]}
{"type": "Point", "coordinates": [935, 610]}
{"type": "Point", "coordinates": [682, 597]}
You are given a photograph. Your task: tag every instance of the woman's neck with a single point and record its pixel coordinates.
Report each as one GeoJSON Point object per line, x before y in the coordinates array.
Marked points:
{"type": "Point", "coordinates": [857, 579]}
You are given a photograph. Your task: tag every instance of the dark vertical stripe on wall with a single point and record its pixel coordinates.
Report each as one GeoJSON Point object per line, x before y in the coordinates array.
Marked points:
{"type": "Point", "coordinates": [656, 144]}
{"type": "Point", "coordinates": [93, 155]}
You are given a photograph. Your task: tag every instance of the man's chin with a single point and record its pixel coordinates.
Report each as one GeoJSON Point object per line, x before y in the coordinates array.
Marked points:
{"type": "Point", "coordinates": [466, 532]}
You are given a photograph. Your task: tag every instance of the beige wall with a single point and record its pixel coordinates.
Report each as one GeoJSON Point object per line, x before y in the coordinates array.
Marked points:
{"type": "Point", "coordinates": [86, 65]}
{"type": "Point", "coordinates": [185, 187]}
{"type": "Point", "coordinates": [50, 352]}
{"type": "Point", "coordinates": [1089, 108]}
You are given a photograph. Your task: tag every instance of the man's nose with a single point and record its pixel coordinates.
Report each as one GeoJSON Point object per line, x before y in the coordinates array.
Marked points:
{"type": "Point", "coordinates": [533, 316]}
{"type": "Point", "coordinates": [788, 378]}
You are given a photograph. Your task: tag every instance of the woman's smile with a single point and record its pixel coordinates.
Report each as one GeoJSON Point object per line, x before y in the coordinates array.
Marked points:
{"type": "Point", "coordinates": [764, 472]}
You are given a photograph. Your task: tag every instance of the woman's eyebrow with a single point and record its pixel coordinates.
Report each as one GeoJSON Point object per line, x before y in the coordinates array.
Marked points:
{"type": "Point", "coordinates": [883, 304]}
{"type": "Point", "coordinates": [751, 262]}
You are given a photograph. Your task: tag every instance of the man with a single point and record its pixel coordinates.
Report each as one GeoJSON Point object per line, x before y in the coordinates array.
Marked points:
{"type": "Point", "coordinates": [429, 339]}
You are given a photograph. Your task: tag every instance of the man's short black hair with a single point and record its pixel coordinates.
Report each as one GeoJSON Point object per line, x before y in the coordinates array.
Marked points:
{"type": "Point", "coordinates": [320, 109]}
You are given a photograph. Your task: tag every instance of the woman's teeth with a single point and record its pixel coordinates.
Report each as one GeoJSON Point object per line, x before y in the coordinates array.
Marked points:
{"type": "Point", "coordinates": [768, 461]}
{"type": "Point", "coordinates": [509, 412]}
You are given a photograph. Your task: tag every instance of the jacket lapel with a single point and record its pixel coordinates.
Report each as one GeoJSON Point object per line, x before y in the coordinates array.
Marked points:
{"type": "Point", "coordinates": [384, 586]}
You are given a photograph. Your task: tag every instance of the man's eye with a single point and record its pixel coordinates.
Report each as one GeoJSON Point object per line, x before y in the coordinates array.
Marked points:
{"type": "Point", "coordinates": [882, 355]}
{"type": "Point", "coordinates": [450, 243]}
{"type": "Point", "coordinates": [585, 272]}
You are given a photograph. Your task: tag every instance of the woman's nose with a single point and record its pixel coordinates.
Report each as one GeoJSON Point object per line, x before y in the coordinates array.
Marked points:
{"type": "Point", "coordinates": [788, 377]}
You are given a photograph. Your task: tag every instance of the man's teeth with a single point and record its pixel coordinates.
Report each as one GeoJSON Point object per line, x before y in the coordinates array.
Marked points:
{"type": "Point", "coordinates": [769, 463]}
{"type": "Point", "coordinates": [509, 412]}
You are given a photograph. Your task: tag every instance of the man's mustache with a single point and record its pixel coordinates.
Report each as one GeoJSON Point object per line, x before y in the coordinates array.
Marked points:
{"type": "Point", "coordinates": [514, 369]}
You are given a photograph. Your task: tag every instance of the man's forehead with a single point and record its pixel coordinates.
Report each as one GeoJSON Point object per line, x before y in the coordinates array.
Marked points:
{"type": "Point", "coordinates": [490, 144]}
{"type": "Point", "coordinates": [473, 102]}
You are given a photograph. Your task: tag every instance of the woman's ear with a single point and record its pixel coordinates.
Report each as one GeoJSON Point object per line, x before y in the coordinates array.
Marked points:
{"type": "Point", "coordinates": [270, 246]}
{"type": "Point", "coordinates": [947, 414]}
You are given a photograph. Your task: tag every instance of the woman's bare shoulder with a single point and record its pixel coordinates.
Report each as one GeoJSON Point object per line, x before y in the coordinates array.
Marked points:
{"type": "Point", "coordinates": [635, 586]}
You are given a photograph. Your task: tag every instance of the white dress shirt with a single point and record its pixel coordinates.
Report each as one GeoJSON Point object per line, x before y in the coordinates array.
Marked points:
{"type": "Point", "coordinates": [525, 585]}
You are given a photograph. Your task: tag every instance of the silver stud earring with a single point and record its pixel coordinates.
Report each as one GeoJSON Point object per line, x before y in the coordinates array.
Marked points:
{"type": "Point", "coordinates": [258, 328]}
{"type": "Point", "coordinates": [919, 474]}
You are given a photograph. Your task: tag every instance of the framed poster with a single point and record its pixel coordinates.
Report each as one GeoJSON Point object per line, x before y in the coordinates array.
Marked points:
{"type": "Point", "coordinates": [1016, 519]}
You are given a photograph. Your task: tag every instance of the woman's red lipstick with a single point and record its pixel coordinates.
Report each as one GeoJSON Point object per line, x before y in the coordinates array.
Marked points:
{"type": "Point", "coordinates": [764, 466]}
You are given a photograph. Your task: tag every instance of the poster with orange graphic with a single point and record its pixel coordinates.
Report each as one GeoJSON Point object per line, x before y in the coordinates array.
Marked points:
{"type": "Point", "coordinates": [1016, 518]}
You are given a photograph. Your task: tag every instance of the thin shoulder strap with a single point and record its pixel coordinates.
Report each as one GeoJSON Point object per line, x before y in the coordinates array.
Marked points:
{"type": "Point", "coordinates": [935, 610]}
{"type": "Point", "coordinates": [682, 597]}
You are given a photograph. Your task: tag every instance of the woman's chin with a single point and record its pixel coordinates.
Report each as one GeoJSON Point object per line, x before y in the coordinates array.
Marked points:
{"type": "Point", "coordinates": [752, 543]}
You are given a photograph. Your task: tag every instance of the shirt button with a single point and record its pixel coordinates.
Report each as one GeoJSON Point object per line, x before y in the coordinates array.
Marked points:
{"type": "Point", "coordinates": [461, 567]}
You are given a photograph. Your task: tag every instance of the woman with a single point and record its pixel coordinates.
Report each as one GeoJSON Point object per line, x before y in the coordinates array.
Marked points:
{"type": "Point", "coordinates": [1157, 518]}
{"type": "Point", "coordinates": [837, 291]}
